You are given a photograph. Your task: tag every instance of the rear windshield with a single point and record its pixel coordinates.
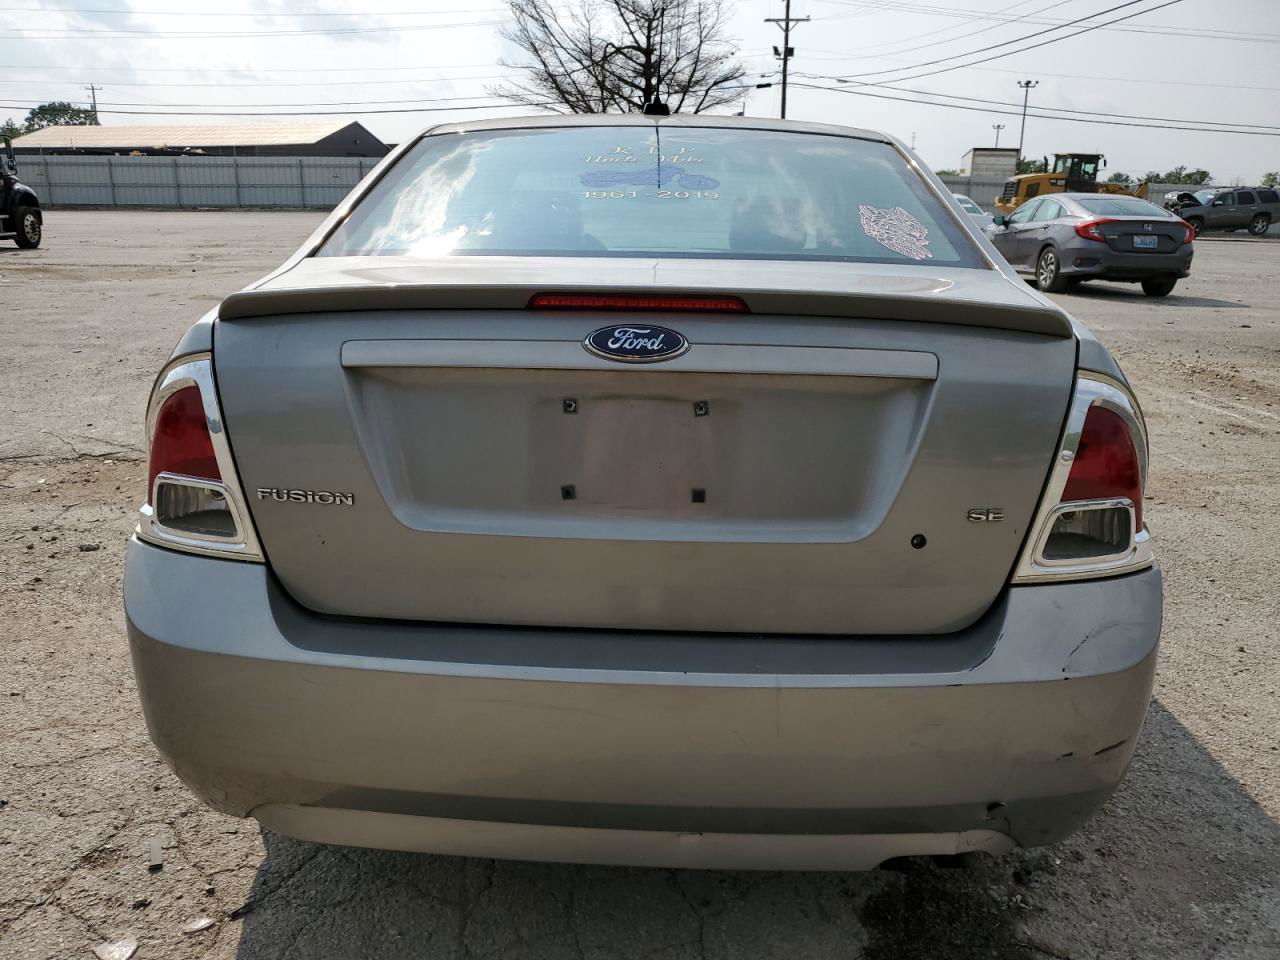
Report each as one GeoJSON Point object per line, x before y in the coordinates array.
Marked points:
{"type": "Point", "coordinates": [654, 191]}
{"type": "Point", "coordinates": [1122, 207]}
{"type": "Point", "coordinates": [968, 204]}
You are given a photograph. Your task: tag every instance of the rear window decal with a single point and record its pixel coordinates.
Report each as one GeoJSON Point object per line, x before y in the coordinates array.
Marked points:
{"type": "Point", "coordinates": [661, 174]}
{"type": "Point", "coordinates": [896, 229]}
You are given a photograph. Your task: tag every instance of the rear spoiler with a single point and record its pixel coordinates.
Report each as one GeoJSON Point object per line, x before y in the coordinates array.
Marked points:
{"type": "Point", "coordinates": [930, 306]}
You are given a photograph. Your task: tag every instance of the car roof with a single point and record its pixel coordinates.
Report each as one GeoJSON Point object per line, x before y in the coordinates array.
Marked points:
{"type": "Point", "coordinates": [1090, 196]}
{"type": "Point", "coordinates": [641, 120]}
{"type": "Point", "coordinates": [1076, 198]}
{"type": "Point", "coordinates": [1074, 201]}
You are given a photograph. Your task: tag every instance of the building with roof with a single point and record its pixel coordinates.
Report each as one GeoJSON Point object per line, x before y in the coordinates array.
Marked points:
{"type": "Point", "coordinates": [317, 138]}
{"type": "Point", "coordinates": [995, 163]}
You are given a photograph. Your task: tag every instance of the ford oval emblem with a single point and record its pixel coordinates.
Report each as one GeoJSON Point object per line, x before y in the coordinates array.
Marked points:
{"type": "Point", "coordinates": [635, 343]}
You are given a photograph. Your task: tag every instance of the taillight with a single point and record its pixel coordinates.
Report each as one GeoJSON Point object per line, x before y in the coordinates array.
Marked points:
{"type": "Point", "coordinates": [609, 301]}
{"type": "Point", "coordinates": [1090, 521]}
{"type": "Point", "coordinates": [1191, 232]}
{"type": "Point", "coordinates": [1091, 229]}
{"type": "Point", "coordinates": [1106, 463]}
{"type": "Point", "coordinates": [194, 500]}
{"type": "Point", "coordinates": [180, 441]}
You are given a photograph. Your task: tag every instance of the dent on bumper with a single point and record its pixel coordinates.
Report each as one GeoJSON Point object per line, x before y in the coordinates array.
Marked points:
{"type": "Point", "coordinates": [582, 744]}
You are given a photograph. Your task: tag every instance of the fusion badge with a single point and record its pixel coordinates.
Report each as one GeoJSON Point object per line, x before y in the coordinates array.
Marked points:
{"type": "Point", "coordinates": [636, 343]}
{"type": "Point", "coordinates": [306, 496]}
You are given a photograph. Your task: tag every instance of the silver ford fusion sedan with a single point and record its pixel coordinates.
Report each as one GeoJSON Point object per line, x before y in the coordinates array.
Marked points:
{"type": "Point", "coordinates": [674, 491]}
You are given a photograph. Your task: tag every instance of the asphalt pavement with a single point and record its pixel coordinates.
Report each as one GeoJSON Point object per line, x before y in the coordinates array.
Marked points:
{"type": "Point", "coordinates": [101, 844]}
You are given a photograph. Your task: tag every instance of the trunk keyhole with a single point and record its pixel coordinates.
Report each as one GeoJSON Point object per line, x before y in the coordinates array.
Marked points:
{"type": "Point", "coordinates": [568, 492]}
{"type": "Point", "coordinates": [701, 408]}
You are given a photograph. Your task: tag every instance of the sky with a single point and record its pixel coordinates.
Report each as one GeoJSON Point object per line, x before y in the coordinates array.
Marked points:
{"type": "Point", "coordinates": [398, 66]}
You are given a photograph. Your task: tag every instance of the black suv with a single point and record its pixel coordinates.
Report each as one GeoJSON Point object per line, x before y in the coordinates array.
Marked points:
{"type": "Point", "coordinates": [1251, 208]}
{"type": "Point", "coordinates": [20, 216]}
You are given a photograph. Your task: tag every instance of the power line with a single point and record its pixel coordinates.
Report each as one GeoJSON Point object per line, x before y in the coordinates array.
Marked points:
{"type": "Point", "coordinates": [258, 84]}
{"type": "Point", "coordinates": [993, 15]}
{"type": "Point", "coordinates": [1099, 78]}
{"type": "Point", "coordinates": [438, 66]}
{"type": "Point", "coordinates": [309, 113]}
{"type": "Point", "coordinates": [1029, 36]}
{"type": "Point", "coordinates": [254, 14]}
{"type": "Point", "coordinates": [233, 106]}
{"type": "Point", "coordinates": [1161, 29]}
{"type": "Point", "coordinates": [109, 33]}
{"type": "Point", "coordinates": [862, 92]}
{"type": "Point", "coordinates": [1010, 103]}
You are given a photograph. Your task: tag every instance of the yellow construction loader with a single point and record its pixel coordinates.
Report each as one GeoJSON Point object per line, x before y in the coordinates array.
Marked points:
{"type": "Point", "coordinates": [1071, 173]}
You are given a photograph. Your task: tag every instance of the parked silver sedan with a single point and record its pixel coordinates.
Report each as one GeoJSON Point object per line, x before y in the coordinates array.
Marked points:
{"type": "Point", "coordinates": [980, 216]}
{"type": "Point", "coordinates": [1066, 238]}
{"type": "Point", "coordinates": [684, 491]}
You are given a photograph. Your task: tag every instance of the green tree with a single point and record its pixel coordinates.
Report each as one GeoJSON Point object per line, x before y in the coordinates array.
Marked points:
{"type": "Point", "coordinates": [1120, 178]}
{"type": "Point", "coordinates": [10, 129]}
{"type": "Point", "coordinates": [949, 173]}
{"type": "Point", "coordinates": [1183, 175]}
{"type": "Point", "coordinates": [59, 113]}
{"type": "Point", "coordinates": [1033, 166]}
{"type": "Point", "coordinates": [1271, 179]}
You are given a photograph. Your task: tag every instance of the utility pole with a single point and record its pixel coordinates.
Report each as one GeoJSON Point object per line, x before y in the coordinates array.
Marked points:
{"type": "Point", "coordinates": [788, 51]}
{"type": "Point", "coordinates": [93, 93]}
{"type": "Point", "coordinates": [997, 127]}
{"type": "Point", "coordinates": [1027, 86]}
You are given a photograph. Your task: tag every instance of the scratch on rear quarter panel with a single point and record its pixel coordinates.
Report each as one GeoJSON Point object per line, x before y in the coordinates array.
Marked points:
{"type": "Point", "coordinates": [1082, 642]}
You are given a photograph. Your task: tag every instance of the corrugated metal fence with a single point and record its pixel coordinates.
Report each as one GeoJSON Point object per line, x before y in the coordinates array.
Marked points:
{"type": "Point", "coordinates": [228, 182]}
{"type": "Point", "coordinates": [307, 182]}
{"type": "Point", "coordinates": [983, 191]}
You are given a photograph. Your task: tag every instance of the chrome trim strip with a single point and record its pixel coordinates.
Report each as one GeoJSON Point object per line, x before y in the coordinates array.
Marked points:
{"type": "Point", "coordinates": [1091, 388]}
{"type": "Point", "coordinates": [197, 370]}
{"type": "Point", "coordinates": [700, 358]}
{"type": "Point", "coordinates": [948, 201]}
{"type": "Point", "coordinates": [177, 479]}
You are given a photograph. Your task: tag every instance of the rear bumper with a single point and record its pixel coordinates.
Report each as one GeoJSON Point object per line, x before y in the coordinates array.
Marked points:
{"type": "Point", "coordinates": [1107, 264]}
{"type": "Point", "coordinates": [698, 750]}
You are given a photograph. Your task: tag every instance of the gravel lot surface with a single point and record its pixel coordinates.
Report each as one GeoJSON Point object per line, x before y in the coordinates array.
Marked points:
{"type": "Point", "coordinates": [1184, 862]}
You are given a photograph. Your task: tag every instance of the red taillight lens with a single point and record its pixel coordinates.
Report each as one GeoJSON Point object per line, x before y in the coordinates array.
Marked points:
{"type": "Point", "coordinates": [181, 443]}
{"type": "Point", "coordinates": [1191, 232]}
{"type": "Point", "coordinates": [592, 301]}
{"type": "Point", "coordinates": [1106, 463]}
{"type": "Point", "coordinates": [1091, 229]}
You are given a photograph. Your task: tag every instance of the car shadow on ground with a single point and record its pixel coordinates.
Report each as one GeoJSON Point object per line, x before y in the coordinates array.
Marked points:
{"type": "Point", "coordinates": [1180, 845]}
{"type": "Point", "coordinates": [1134, 291]}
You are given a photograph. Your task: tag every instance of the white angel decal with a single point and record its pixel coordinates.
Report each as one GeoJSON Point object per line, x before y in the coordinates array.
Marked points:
{"type": "Point", "coordinates": [896, 229]}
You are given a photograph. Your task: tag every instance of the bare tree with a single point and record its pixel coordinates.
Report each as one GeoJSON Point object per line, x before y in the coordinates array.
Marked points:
{"type": "Point", "coordinates": [597, 56]}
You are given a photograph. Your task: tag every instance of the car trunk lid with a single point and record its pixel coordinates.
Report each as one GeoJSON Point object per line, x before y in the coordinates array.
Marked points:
{"type": "Point", "coordinates": [458, 457]}
{"type": "Point", "coordinates": [1144, 235]}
